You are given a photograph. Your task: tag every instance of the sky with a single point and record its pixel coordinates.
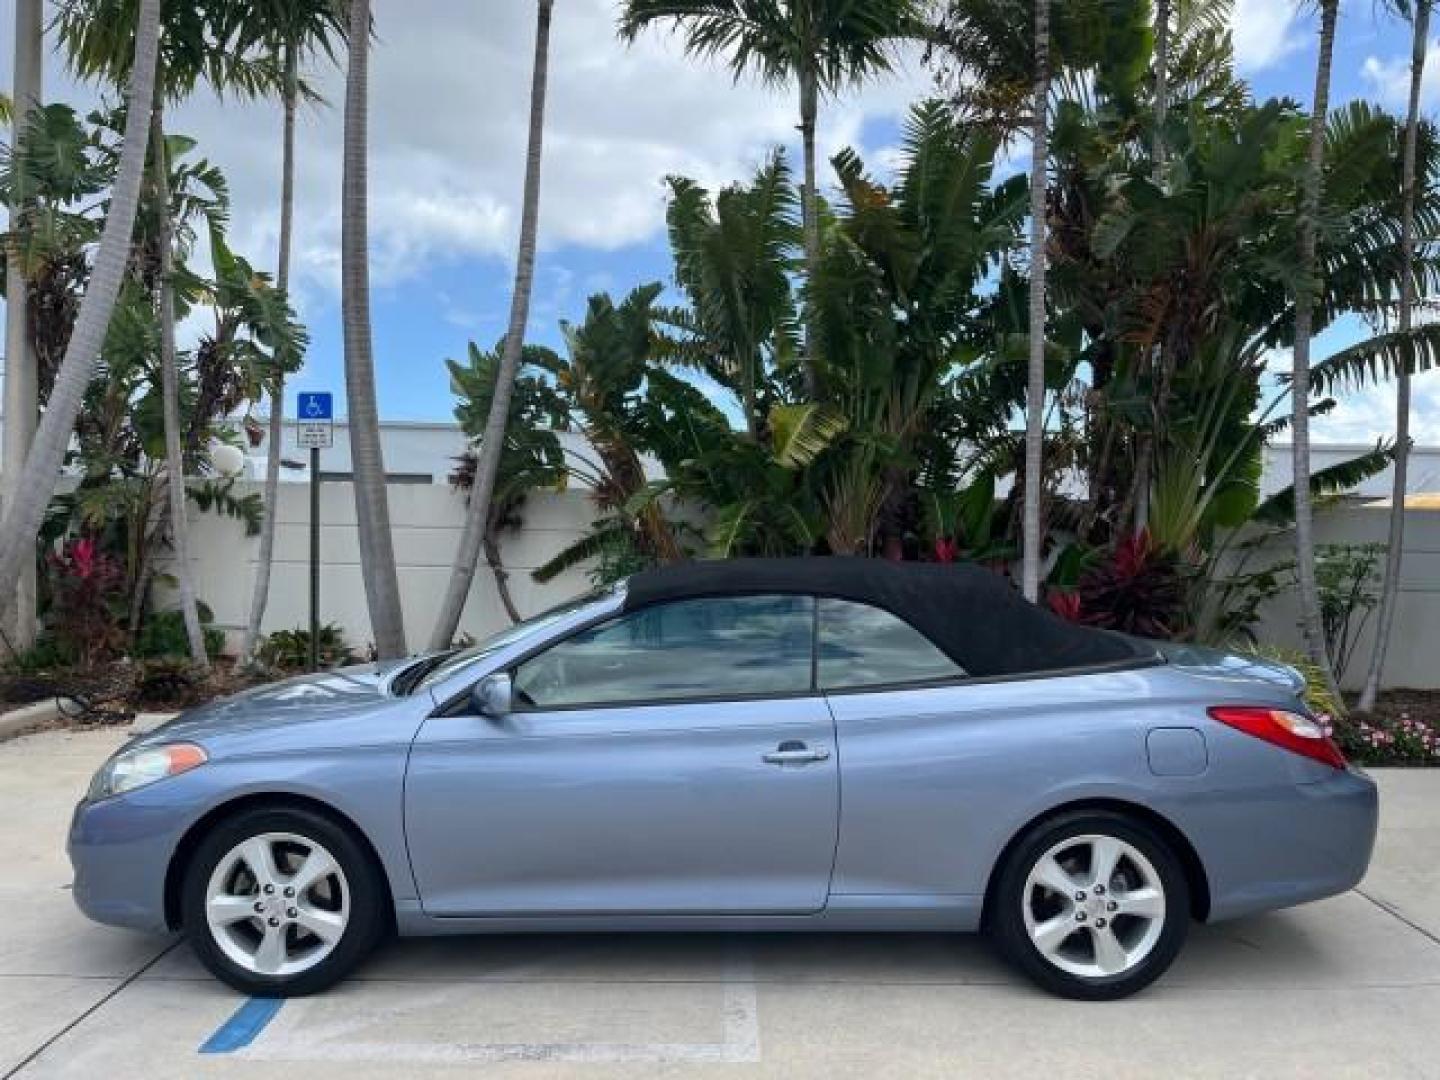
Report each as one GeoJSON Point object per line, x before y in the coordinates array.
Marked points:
{"type": "Point", "coordinates": [449, 95]}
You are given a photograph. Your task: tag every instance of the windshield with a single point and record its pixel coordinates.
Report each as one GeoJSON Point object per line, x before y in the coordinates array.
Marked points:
{"type": "Point", "coordinates": [435, 669]}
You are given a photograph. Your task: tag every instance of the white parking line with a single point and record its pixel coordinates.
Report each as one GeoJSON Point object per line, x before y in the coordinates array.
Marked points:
{"type": "Point", "coordinates": [301, 1034]}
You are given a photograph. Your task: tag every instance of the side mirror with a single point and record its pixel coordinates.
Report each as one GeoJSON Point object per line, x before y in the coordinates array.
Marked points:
{"type": "Point", "coordinates": [492, 695]}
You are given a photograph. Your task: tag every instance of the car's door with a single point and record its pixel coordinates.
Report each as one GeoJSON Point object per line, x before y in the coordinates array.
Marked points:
{"type": "Point", "coordinates": [673, 760]}
{"type": "Point", "coordinates": [893, 694]}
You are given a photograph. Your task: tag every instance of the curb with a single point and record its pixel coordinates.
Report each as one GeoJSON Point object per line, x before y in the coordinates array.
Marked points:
{"type": "Point", "coordinates": [19, 721]}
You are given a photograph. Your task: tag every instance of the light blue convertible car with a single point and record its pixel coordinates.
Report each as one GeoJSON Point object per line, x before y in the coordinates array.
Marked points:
{"type": "Point", "coordinates": [804, 744]}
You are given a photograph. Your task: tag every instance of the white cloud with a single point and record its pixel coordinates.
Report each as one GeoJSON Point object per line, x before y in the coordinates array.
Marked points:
{"type": "Point", "coordinates": [1264, 32]}
{"type": "Point", "coordinates": [449, 101]}
{"type": "Point", "coordinates": [1390, 78]}
{"type": "Point", "coordinates": [1368, 415]}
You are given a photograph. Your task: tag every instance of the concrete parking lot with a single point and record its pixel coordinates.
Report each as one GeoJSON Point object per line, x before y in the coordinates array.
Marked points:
{"type": "Point", "coordinates": [1348, 987]}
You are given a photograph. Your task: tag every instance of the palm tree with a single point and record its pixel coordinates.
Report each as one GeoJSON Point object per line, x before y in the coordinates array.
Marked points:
{"type": "Point", "coordinates": [824, 45]}
{"type": "Point", "coordinates": [1419, 15]}
{"type": "Point", "coordinates": [289, 30]}
{"type": "Point", "coordinates": [1305, 290]}
{"type": "Point", "coordinates": [22, 393]}
{"type": "Point", "coordinates": [492, 444]}
{"type": "Point", "coordinates": [372, 507]}
{"type": "Point", "coordinates": [196, 44]}
{"type": "Point", "coordinates": [1032, 554]}
{"type": "Point", "coordinates": [37, 484]}
{"type": "Point", "coordinates": [170, 389]}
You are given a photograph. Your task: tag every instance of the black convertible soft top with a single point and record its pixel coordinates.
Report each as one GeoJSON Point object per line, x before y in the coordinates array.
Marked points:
{"type": "Point", "coordinates": [971, 613]}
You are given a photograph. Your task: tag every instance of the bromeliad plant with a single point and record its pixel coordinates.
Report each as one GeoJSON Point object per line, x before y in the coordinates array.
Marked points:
{"type": "Point", "coordinates": [87, 603]}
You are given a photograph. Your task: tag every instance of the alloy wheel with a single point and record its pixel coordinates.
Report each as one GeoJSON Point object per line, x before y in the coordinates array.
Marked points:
{"type": "Point", "coordinates": [1094, 906]}
{"type": "Point", "coordinates": [277, 904]}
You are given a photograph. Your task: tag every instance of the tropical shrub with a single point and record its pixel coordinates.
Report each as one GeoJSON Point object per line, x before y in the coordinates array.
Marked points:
{"type": "Point", "coordinates": [289, 650]}
{"type": "Point", "coordinates": [86, 589]}
{"type": "Point", "coordinates": [1348, 582]}
{"type": "Point", "coordinates": [163, 635]}
{"type": "Point", "coordinates": [1136, 588]}
{"type": "Point", "coordinates": [1318, 696]}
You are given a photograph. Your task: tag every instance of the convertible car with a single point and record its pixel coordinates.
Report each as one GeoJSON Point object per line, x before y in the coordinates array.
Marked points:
{"type": "Point", "coordinates": [790, 744]}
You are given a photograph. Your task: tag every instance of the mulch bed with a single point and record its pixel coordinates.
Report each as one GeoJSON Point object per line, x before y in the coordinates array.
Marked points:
{"type": "Point", "coordinates": [111, 694]}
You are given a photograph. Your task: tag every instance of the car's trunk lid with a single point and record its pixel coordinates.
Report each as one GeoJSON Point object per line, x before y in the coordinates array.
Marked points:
{"type": "Point", "coordinates": [1208, 663]}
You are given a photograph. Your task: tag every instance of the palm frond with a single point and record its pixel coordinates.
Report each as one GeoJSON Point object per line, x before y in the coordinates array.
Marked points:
{"type": "Point", "coordinates": [1378, 358]}
{"type": "Point", "coordinates": [1279, 509]}
{"type": "Point", "coordinates": [801, 433]}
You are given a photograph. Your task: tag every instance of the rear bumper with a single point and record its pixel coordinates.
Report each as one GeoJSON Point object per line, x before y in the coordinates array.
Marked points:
{"type": "Point", "coordinates": [1276, 847]}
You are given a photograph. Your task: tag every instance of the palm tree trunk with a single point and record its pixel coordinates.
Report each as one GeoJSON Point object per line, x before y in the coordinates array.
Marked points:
{"type": "Point", "coordinates": [149, 529]}
{"type": "Point", "coordinates": [1162, 88]}
{"type": "Point", "coordinates": [260, 595]}
{"type": "Point", "coordinates": [810, 222]}
{"type": "Point", "coordinates": [502, 578]}
{"type": "Point", "coordinates": [1390, 590]}
{"type": "Point", "coordinates": [1304, 321]}
{"type": "Point", "coordinates": [492, 444]}
{"type": "Point", "coordinates": [170, 390]}
{"type": "Point", "coordinates": [1145, 459]}
{"type": "Point", "coordinates": [372, 507]}
{"type": "Point", "coordinates": [1032, 554]}
{"type": "Point", "coordinates": [22, 393]}
{"type": "Point", "coordinates": [47, 453]}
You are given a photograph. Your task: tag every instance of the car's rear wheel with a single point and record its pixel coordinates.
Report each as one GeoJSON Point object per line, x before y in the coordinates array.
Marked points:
{"type": "Point", "coordinates": [282, 902]}
{"type": "Point", "coordinates": [1091, 905]}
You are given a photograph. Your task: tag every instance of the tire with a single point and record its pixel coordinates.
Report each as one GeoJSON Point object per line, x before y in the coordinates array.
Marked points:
{"type": "Point", "coordinates": [1123, 934]}
{"type": "Point", "coordinates": [262, 941]}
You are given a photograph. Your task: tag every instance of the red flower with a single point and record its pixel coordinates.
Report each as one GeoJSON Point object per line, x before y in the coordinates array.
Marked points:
{"type": "Point", "coordinates": [947, 549]}
{"type": "Point", "coordinates": [1064, 604]}
{"type": "Point", "coordinates": [82, 558]}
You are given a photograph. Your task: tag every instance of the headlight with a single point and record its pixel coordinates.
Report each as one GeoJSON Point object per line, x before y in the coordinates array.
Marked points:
{"type": "Point", "coordinates": [144, 765]}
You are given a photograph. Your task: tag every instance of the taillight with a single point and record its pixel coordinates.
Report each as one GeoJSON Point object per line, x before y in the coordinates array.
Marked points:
{"type": "Point", "coordinates": [1289, 730]}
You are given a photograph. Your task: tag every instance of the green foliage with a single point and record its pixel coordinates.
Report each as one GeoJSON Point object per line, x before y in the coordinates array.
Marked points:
{"type": "Point", "coordinates": [839, 42]}
{"type": "Point", "coordinates": [532, 458]}
{"type": "Point", "coordinates": [163, 635]}
{"type": "Point", "coordinates": [70, 164]}
{"type": "Point", "coordinates": [46, 655]}
{"type": "Point", "coordinates": [1347, 578]}
{"type": "Point", "coordinates": [289, 650]}
{"type": "Point", "coordinates": [1317, 691]}
{"type": "Point", "coordinates": [219, 496]}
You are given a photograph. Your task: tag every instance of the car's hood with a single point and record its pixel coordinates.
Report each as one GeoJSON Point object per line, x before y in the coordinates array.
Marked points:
{"type": "Point", "coordinates": [1217, 664]}
{"type": "Point", "coordinates": [306, 699]}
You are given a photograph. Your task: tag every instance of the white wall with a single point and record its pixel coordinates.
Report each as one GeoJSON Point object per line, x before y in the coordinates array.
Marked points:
{"type": "Point", "coordinates": [426, 521]}
{"type": "Point", "coordinates": [1413, 658]}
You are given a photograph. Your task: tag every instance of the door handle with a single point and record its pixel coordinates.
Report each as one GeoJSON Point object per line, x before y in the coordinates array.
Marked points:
{"type": "Point", "coordinates": [792, 752]}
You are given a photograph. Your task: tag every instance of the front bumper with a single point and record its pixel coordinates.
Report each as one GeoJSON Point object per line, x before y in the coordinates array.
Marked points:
{"type": "Point", "coordinates": [120, 849]}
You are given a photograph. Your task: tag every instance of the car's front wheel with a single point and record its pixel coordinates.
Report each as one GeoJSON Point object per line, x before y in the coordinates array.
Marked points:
{"type": "Point", "coordinates": [1091, 905]}
{"type": "Point", "coordinates": [281, 902]}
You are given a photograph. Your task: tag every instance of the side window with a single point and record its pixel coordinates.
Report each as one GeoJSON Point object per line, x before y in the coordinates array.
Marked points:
{"type": "Point", "coordinates": [863, 646]}
{"type": "Point", "coordinates": [723, 647]}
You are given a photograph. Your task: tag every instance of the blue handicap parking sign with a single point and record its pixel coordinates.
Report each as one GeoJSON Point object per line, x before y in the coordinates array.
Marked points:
{"type": "Point", "coordinates": [315, 405]}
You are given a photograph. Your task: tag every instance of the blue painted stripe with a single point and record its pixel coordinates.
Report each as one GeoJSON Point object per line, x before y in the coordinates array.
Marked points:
{"type": "Point", "coordinates": [242, 1028]}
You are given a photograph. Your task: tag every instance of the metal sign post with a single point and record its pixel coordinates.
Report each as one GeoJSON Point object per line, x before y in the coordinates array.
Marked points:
{"type": "Point", "coordinates": [315, 431]}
